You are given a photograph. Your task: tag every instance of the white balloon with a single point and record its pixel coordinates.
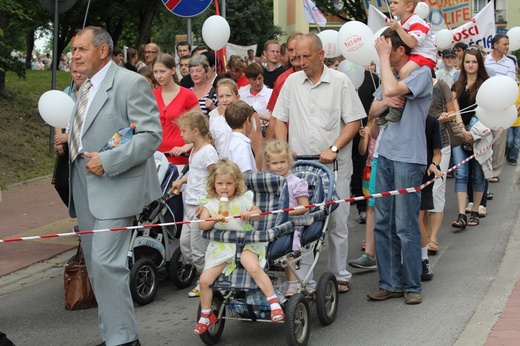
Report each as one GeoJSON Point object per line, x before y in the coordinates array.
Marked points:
{"type": "Point", "coordinates": [497, 119]}
{"type": "Point", "coordinates": [69, 55]}
{"type": "Point", "coordinates": [443, 39]}
{"type": "Point", "coordinates": [422, 10]}
{"type": "Point", "coordinates": [373, 51]}
{"type": "Point", "coordinates": [514, 38]}
{"type": "Point", "coordinates": [497, 93]}
{"type": "Point", "coordinates": [329, 40]}
{"type": "Point", "coordinates": [354, 41]}
{"type": "Point", "coordinates": [56, 108]}
{"type": "Point", "coordinates": [215, 32]}
{"type": "Point", "coordinates": [355, 72]}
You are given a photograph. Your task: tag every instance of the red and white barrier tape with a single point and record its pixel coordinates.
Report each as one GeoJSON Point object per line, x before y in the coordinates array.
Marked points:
{"type": "Point", "coordinates": [352, 199]}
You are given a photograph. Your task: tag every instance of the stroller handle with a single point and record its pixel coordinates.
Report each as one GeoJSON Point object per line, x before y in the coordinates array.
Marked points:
{"type": "Point", "coordinates": [315, 158]}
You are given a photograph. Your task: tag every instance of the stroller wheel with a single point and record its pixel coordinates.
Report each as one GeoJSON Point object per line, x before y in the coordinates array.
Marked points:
{"type": "Point", "coordinates": [297, 321]}
{"type": "Point", "coordinates": [214, 332]}
{"type": "Point", "coordinates": [327, 298]}
{"type": "Point", "coordinates": [182, 273]}
{"type": "Point", "coordinates": [144, 281]}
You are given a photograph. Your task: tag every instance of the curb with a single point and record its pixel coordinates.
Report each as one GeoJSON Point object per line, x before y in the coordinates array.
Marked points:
{"type": "Point", "coordinates": [481, 324]}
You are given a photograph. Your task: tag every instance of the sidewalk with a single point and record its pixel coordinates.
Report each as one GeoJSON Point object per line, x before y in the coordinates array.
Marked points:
{"type": "Point", "coordinates": [34, 208]}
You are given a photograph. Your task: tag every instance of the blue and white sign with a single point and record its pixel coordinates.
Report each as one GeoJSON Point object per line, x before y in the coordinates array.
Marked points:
{"type": "Point", "coordinates": [186, 8]}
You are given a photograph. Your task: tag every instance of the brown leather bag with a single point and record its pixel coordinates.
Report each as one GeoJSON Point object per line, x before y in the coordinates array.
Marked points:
{"type": "Point", "coordinates": [78, 291]}
{"type": "Point", "coordinates": [455, 133]}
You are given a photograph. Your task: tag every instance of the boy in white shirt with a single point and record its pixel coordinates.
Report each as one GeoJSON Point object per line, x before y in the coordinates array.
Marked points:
{"type": "Point", "coordinates": [239, 117]}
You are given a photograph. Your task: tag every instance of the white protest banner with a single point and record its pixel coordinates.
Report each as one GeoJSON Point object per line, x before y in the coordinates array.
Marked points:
{"type": "Point", "coordinates": [235, 49]}
{"type": "Point", "coordinates": [376, 19]}
{"type": "Point", "coordinates": [435, 18]}
{"type": "Point", "coordinates": [313, 14]}
{"type": "Point", "coordinates": [480, 30]}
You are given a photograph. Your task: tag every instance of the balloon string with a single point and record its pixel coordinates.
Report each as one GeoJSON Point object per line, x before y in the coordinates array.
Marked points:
{"type": "Point", "coordinates": [463, 110]}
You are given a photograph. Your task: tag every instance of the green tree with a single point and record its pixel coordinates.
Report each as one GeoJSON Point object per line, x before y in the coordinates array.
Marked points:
{"type": "Point", "coordinates": [249, 24]}
{"type": "Point", "coordinates": [11, 12]}
{"type": "Point", "coordinates": [252, 23]}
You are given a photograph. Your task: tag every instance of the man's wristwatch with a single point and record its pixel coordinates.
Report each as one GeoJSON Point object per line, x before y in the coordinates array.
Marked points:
{"type": "Point", "coordinates": [334, 149]}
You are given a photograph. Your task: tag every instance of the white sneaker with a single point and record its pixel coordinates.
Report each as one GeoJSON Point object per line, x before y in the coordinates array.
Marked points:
{"type": "Point", "coordinates": [195, 292]}
{"type": "Point", "coordinates": [469, 208]}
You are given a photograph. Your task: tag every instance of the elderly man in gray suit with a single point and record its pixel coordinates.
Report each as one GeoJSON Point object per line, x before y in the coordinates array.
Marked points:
{"type": "Point", "coordinates": [108, 188]}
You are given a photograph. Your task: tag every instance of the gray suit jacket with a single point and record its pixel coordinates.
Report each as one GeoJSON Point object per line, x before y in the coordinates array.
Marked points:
{"type": "Point", "coordinates": [130, 180]}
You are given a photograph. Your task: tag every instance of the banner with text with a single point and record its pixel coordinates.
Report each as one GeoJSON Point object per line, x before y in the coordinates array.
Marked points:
{"type": "Point", "coordinates": [478, 31]}
{"type": "Point", "coordinates": [443, 13]}
{"type": "Point", "coordinates": [235, 49]}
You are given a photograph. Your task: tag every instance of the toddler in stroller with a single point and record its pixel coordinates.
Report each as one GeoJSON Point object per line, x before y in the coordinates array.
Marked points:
{"type": "Point", "coordinates": [226, 179]}
{"type": "Point", "coordinates": [236, 296]}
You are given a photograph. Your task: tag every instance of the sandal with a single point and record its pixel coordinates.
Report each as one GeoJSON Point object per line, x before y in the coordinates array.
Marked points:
{"type": "Point", "coordinates": [292, 288]}
{"type": "Point", "coordinates": [473, 219]}
{"type": "Point", "coordinates": [277, 315]}
{"type": "Point", "coordinates": [433, 246]}
{"type": "Point", "coordinates": [461, 222]}
{"type": "Point", "coordinates": [482, 211]}
{"type": "Point", "coordinates": [494, 180]}
{"type": "Point", "coordinates": [343, 286]}
{"type": "Point", "coordinates": [202, 328]}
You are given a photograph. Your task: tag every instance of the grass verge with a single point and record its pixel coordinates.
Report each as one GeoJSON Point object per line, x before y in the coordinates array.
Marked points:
{"type": "Point", "coordinates": [24, 136]}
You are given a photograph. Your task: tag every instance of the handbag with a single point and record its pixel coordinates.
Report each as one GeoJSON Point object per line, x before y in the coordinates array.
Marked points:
{"type": "Point", "coordinates": [455, 133]}
{"type": "Point", "coordinates": [78, 291]}
{"type": "Point", "coordinates": [60, 176]}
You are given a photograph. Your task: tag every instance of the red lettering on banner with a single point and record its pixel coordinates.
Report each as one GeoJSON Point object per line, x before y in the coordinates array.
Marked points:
{"type": "Point", "coordinates": [457, 16]}
{"type": "Point", "coordinates": [171, 4]}
{"type": "Point", "coordinates": [466, 32]}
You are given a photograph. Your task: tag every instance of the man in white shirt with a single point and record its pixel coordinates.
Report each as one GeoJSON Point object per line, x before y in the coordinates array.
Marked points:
{"type": "Point", "coordinates": [325, 114]}
{"type": "Point", "coordinates": [499, 62]}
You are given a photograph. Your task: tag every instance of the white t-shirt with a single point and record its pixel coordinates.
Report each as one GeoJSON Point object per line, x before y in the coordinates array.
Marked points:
{"type": "Point", "coordinates": [259, 101]}
{"type": "Point", "coordinates": [198, 174]}
{"type": "Point", "coordinates": [220, 131]}
{"type": "Point", "coordinates": [240, 152]}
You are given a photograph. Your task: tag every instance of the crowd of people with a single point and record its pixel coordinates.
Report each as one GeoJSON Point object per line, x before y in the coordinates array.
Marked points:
{"type": "Point", "coordinates": [253, 119]}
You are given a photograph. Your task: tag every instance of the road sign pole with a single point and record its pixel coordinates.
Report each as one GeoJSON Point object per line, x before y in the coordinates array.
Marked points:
{"type": "Point", "coordinates": [188, 30]}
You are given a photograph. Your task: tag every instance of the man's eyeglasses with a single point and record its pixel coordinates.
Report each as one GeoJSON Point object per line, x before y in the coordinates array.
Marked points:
{"type": "Point", "coordinates": [150, 52]}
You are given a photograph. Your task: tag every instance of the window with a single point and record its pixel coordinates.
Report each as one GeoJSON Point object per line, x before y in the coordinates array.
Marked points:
{"type": "Point", "coordinates": [479, 5]}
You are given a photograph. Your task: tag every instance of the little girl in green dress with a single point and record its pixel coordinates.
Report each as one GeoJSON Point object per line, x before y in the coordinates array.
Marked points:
{"type": "Point", "coordinates": [225, 179]}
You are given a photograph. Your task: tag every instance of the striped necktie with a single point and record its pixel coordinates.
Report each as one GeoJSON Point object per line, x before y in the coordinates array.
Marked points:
{"type": "Point", "coordinates": [79, 116]}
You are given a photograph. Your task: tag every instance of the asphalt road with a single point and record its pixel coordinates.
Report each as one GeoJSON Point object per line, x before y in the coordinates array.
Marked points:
{"type": "Point", "coordinates": [472, 273]}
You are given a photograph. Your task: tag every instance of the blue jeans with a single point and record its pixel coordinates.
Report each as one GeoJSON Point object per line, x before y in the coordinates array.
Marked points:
{"type": "Point", "coordinates": [397, 234]}
{"type": "Point", "coordinates": [463, 174]}
{"type": "Point", "coordinates": [513, 143]}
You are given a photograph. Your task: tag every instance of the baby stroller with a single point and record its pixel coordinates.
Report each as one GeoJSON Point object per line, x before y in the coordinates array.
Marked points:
{"type": "Point", "coordinates": [237, 296]}
{"type": "Point", "coordinates": [150, 253]}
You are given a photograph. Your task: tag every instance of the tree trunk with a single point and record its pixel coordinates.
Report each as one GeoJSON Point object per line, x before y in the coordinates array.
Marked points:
{"type": "Point", "coordinates": [29, 43]}
{"type": "Point", "coordinates": [3, 52]}
{"type": "Point", "coordinates": [145, 25]}
{"type": "Point", "coordinates": [3, 91]}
